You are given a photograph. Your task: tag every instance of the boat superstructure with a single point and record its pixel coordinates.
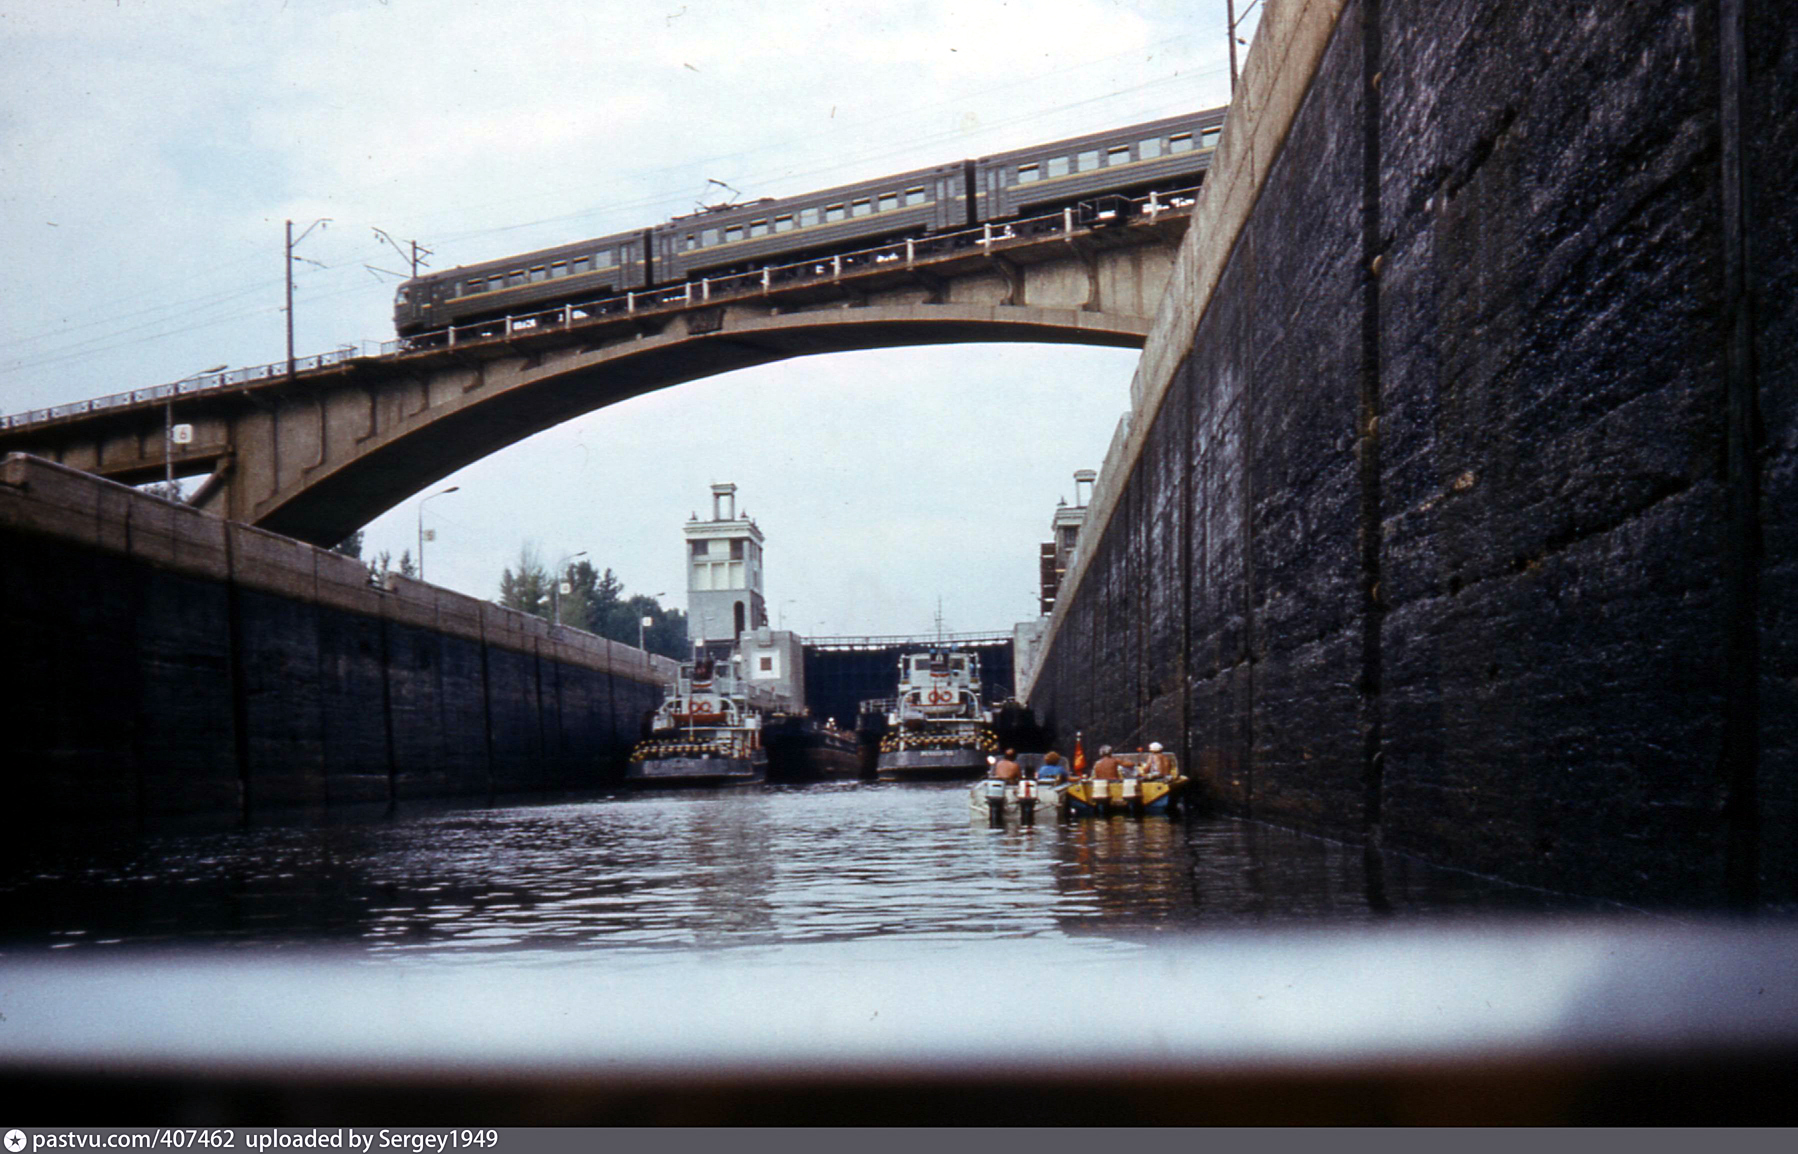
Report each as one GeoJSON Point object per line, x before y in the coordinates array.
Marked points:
{"type": "Point", "coordinates": [705, 732]}
{"type": "Point", "coordinates": [938, 727]}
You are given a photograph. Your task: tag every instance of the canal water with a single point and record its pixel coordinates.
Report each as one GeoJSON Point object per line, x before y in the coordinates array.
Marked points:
{"type": "Point", "coordinates": [701, 872]}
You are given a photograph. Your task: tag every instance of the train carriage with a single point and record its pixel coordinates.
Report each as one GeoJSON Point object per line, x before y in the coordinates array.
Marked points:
{"type": "Point", "coordinates": [736, 238]}
{"type": "Point", "coordinates": [587, 269]}
{"type": "Point", "coordinates": [1161, 154]}
{"type": "Point", "coordinates": [1164, 155]}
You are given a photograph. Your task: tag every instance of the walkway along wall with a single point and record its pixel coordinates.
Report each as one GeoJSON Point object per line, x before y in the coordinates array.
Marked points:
{"type": "Point", "coordinates": [163, 661]}
{"type": "Point", "coordinates": [1456, 508]}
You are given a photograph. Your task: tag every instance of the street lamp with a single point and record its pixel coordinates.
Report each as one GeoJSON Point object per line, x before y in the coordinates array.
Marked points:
{"type": "Point", "coordinates": [555, 600]}
{"type": "Point", "coordinates": [421, 528]}
{"type": "Point", "coordinates": [168, 427]}
{"type": "Point", "coordinates": [645, 622]}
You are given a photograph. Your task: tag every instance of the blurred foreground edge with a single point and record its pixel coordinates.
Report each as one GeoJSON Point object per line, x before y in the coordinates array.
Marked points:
{"type": "Point", "coordinates": [1621, 1021]}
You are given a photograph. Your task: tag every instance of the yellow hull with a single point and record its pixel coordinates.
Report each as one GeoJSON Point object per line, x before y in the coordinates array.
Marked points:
{"type": "Point", "coordinates": [1155, 795]}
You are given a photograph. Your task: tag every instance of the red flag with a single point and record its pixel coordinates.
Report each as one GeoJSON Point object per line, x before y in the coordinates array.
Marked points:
{"type": "Point", "coordinates": [1079, 755]}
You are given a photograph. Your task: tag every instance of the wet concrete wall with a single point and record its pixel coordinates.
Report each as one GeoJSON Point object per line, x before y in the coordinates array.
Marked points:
{"type": "Point", "coordinates": [165, 662]}
{"type": "Point", "coordinates": [1462, 515]}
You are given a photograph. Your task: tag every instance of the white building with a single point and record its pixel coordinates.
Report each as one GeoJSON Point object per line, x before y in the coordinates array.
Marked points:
{"type": "Point", "coordinates": [724, 573]}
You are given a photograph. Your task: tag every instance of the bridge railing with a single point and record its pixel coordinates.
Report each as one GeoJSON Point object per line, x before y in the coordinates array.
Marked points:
{"type": "Point", "coordinates": [1108, 212]}
{"type": "Point", "coordinates": [205, 382]}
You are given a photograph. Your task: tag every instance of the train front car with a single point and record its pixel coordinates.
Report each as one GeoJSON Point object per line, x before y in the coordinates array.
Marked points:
{"type": "Point", "coordinates": [580, 273]}
{"type": "Point", "coordinates": [1159, 156]}
{"type": "Point", "coordinates": [740, 239]}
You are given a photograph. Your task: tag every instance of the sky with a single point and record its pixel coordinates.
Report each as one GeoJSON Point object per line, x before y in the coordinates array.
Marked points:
{"type": "Point", "coordinates": [150, 151]}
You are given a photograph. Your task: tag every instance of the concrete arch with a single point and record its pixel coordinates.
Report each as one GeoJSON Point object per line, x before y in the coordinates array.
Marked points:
{"type": "Point", "coordinates": [320, 453]}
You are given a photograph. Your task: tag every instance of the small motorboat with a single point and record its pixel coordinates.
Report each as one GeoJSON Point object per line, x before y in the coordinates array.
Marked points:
{"type": "Point", "coordinates": [1149, 783]}
{"type": "Point", "coordinates": [1024, 801]}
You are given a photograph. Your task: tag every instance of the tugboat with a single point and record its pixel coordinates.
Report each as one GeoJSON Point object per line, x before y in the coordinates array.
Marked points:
{"type": "Point", "coordinates": [802, 748]}
{"type": "Point", "coordinates": [704, 733]}
{"type": "Point", "coordinates": [937, 728]}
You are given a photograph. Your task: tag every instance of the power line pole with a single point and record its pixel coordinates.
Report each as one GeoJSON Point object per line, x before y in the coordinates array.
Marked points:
{"type": "Point", "coordinates": [323, 220]}
{"type": "Point", "coordinates": [1230, 32]}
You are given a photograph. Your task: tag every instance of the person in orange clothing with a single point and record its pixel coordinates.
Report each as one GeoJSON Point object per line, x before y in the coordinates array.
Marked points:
{"type": "Point", "coordinates": [1106, 768]}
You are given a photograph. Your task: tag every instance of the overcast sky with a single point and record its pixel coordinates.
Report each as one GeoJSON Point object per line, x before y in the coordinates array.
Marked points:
{"type": "Point", "coordinates": [153, 148]}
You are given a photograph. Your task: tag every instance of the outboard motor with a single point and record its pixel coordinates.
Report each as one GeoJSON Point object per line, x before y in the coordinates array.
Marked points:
{"type": "Point", "coordinates": [1026, 801]}
{"type": "Point", "coordinates": [995, 801]}
{"type": "Point", "coordinates": [1133, 797]}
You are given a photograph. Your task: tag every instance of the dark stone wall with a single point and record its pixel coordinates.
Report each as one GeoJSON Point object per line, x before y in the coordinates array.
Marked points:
{"type": "Point", "coordinates": [137, 692]}
{"type": "Point", "coordinates": [1466, 525]}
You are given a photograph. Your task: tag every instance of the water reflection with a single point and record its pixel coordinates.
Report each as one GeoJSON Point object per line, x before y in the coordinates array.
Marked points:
{"type": "Point", "coordinates": [655, 872]}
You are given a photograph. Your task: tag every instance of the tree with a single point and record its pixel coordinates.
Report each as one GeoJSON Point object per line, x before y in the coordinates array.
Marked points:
{"type": "Point", "coordinates": [590, 603]}
{"type": "Point", "coordinates": [527, 590]}
{"type": "Point", "coordinates": [407, 568]}
{"type": "Point", "coordinates": [350, 546]}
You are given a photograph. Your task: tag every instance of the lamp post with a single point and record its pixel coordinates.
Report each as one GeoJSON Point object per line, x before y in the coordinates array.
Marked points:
{"type": "Point", "coordinates": [645, 622]}
{"type": "Point", "coordinates": [555, 599]}
{"type": "Point", "coordinates": [168, 427]}
{"type": "Point", "coordinates": [421, 528]}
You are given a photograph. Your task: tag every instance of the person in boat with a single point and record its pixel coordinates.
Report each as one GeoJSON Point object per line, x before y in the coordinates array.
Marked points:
{"type": "Point", "coordinates": [1051, 769]}
{"type": "Point", "coordinates": [1106, 768]}
{"type": "Point", "coordinates": [1156, 765]}
{"type": "Point", "coordinates": [1006, 768]}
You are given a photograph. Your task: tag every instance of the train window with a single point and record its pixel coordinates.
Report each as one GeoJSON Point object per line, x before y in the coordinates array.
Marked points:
{"type": "Point", "coordinates": [1209, 138]}
{"type": "Point", "coordinates": [1118, 154]}
{"type": "Point", "coordinates": [758, 228]}
{"type": "Point", "coordinates": [808, 217]}
{"type": "Point", "coordinates": [579, 265]}
{"type": "Point", "coordinates": [1149, 149]}
{"type": "Point", "coordinates": [708, 237]}
{"type": "Point", "coordinates": [861, 207]}
{"type": "Point", "coordinates": [1180, 142]}
{"type": "Point", "coordinates": [474, 285]}
{"type": "Point", "coordinates": [606, 258]}
{"type": "Point", "coordinates": [690, 242]}
{"type": "Point", "coordinates": [783, 223]}
{"type": "Point", "coordinates": [834, 212]}
{"type": "Point", "coordinates": [889, 201]}
{"type": "Point", "coordinates": [538, 274]}
{"type": "Point", "coordinates": [1088, 160]}
{"type": "Point", "coordinates": [1027, 173]}
{"type": "Point", "coordinates": [558, 268]}
{"type": "Point", "coordinates": [733, 233]}
{"type": "Point", "coordinates": [515, 277]}
{"type": "Point", "coordinates": [1058, 166]}
{"type": "Point", "coordinates": [914, 196]}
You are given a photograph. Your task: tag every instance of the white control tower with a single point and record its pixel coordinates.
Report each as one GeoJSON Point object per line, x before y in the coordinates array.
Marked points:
{"type": "Point", "coordinates": [724, 573]}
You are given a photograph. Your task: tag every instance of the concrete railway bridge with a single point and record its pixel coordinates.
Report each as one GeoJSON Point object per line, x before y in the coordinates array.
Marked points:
{"type": "Point", "coordinates": [317, 451]}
